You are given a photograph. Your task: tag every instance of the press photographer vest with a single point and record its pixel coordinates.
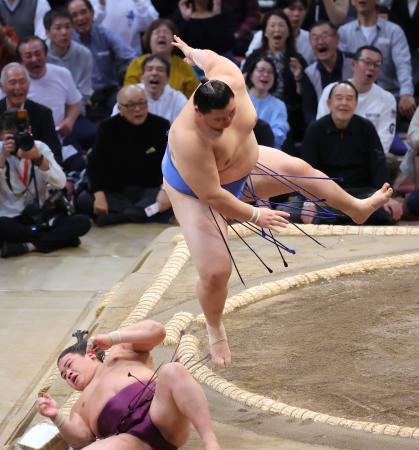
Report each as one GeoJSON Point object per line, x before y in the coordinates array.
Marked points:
{"type": "Point", "coordinates": [22, 18]}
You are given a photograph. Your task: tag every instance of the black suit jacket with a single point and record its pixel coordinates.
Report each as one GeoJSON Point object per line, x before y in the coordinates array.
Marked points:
{"type": "Point", "coordinates": [43, 128]}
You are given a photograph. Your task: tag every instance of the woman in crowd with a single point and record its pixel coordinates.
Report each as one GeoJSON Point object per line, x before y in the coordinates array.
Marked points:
{"type": "Point", "coordinates": [158, 40]}
{"type": "Point", "coordinates": [278, 45]}
{"type": "Point", "coordinates": [261, 80]}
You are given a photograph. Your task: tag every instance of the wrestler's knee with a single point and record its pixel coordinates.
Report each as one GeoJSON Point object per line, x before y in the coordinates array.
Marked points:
{"type": "Point", "coordinates": [173, 371]}
{"type": "Point", "coordinates": [216, 275]}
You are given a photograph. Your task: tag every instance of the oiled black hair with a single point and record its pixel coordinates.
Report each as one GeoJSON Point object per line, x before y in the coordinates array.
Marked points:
{"type": "Point", "coordinates": [79, 347]}
{"type": "Point", "coordinates": [212, 94]}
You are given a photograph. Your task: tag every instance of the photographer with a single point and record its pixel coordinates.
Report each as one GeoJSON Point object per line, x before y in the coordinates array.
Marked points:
{"type": "Point", "coordinates": [27, 171]}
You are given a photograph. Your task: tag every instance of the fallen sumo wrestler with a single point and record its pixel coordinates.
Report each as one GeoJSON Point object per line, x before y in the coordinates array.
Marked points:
{"type": "Point", "coordinates": [213, 169]}
{"type": "Point", "coordinates": [124, 403]}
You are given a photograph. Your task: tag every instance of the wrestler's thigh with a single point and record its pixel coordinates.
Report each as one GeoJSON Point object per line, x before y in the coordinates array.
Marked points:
{"type": "Point", "coordinates": [122, 441]}
{"type": "Point", "coordinates": [276, 161]}
{"type": "Point", "coordinates": [200, 230]}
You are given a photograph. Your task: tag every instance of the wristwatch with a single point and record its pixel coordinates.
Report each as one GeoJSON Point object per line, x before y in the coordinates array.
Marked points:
{"type": "Point", "coordinates": [37, 162]}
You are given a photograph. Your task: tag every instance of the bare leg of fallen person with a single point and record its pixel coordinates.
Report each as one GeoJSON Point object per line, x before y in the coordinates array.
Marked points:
{"type": "Point", "coordinates": [121, 441]}
{"type": "Point", "coordinates": [212, 262]}
{"type": "Point", "coordinates": [279, 162]}
{"type": "Point", "coordinates": [179, 401]}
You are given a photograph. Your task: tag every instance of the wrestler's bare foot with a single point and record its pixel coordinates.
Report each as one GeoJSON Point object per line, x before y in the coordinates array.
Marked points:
{"type": "Point", "coordinates": [219, 349]}
{"type": "Point", "coordinates": [367, 206]}
{"type": "Point", "coordinates": [309, 212]}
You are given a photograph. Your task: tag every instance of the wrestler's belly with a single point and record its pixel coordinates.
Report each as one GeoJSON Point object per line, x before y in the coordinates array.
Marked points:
{"type": "Point", "coordinates": [243, 162]}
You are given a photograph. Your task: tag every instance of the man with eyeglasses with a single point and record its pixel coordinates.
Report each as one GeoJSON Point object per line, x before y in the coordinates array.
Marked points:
{"type": "Point", "coordinates": [124, 167]}
{"type": "Point", "coordinates": [396, 71]}
{"type": "Point", "coordinates": [374, 103]}
{"type": "Point", "coordinates": [330, 66]}
{"type": "Point", "coordinates": [163, 100]}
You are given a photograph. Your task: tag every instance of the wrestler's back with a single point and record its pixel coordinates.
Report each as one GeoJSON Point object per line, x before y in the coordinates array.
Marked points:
{"type": "Point", "coordinates": [235, 148]}
{"type": "Point", "coordinates": [111, 379]}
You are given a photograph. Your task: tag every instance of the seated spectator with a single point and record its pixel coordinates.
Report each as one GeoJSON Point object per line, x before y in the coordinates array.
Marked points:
{"type": "Point", "coordinates": [348, 149]}
{"type": "Point", "coordinates": [53, 86]}
{"type": "Point", "coordinates": [110, 55]}
{"type": "Point", "coordinates": [8, 44]}
{"type": "Point", "coordinates": [406, 14]}
{"type": "Point", "coordinates": [260, 80]}
{"type": "Point", "coordinates": [26, 173]}
{"type": "Point", "coordinates": [330, 66]}
{"type": "Point", "coordinates": [124, 167]}
{"type": "Point", "coordinates": [413, 132]}
{"type": "Point", "coordinates": [333, 11]}
{"type": "Point", "coordinates": [64, 52]}
{"type": "Point", "coordinates": [412, 199]}
{"type": "Point", "coordinates": [204, 27]}
{"type": "Point", "coordinates": [278, 45]}
{"type": "Point", "coordinates": [374, 103]}
{"type": "Point", "coordinates": [246, 17]}
{"type": "Point", "coordinates": [126, 18]}
{"type": "Point", "coordinates": [163, 100]}
{"type": "Point", "coordinates": [15, 84]}
{"type": "Point", "coordinates": [296, 12]}
{"type": "Point", "coordinates": [370, 29]}
{"type": "Point", "coordinates": [25, 16]}
{"type": "Point", "coordinates": [158, 40]}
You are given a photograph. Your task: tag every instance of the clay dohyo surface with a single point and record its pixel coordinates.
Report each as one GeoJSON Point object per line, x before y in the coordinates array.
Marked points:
{"type": "Point", "coordinates": [348, 347]}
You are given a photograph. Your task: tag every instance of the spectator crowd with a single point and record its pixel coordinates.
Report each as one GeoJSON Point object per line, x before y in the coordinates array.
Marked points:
{"type": "Point", "coordinates": [90, 89]}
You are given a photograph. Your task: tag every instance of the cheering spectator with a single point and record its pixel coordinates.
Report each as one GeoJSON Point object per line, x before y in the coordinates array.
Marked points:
{"type": "Point", "coordinates": [330, 66]}
{"type": "Point", "coordinates": [163, 100]}
{"type": "Point", "coordinates": [374, 103]}
{"type": "Point", "coordinates": [348, 149]}
{"type": "Point", "coordinates": [53, 86]}
{"type": "Point", "coordinates": [296, 12]}
{"type": "Point", "coordinates": [158, 40]}
{"type": "Point", "coordinates": [278, 45]}
{"type": "Point", "coordinates": [260, 80]}
{"type": "Point", "coordinates": [15, 84]}
{"type": "Point", "coordinates": [370, 29]}
{"type": "Point", "coordinates": [109, 52]}
{"type": "Point", "coordinates": [8, 44]}
{"type": "Point", "coordinates": [333, 11]}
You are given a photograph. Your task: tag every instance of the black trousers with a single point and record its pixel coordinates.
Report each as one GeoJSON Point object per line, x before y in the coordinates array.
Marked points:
{"type": "Point", "coordinates": [64, 232]}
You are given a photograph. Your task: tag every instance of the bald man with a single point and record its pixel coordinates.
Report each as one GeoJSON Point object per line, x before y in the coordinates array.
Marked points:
{"type": "Point", "coordinates": [124, 167]}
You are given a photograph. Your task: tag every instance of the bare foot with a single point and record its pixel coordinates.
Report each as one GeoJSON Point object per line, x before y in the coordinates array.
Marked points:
{"type": "Point", "coordinates": [219, 349]}
{"type": "Point", "coordinates": [371, 204]}
{"type": "Point", "coordinates": [308, 213]}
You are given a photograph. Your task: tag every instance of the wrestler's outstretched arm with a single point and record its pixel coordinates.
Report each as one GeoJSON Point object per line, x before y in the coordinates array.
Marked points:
{"type": "Point", "coordinates": [73, 429]}
{"type": "Point", "coordinates": [139, 337]}
{"type": "Point", "coordinates": [214, 66]}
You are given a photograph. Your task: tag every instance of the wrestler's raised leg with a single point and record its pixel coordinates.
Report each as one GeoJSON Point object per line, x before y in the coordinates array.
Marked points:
{"type": "Point", "coordinates": [178, 401]}
{"type": "Point", "coordinates": [358, 209]}
{"type": "Point", "coordinates": [213, 264]}
{"type": "Point", "coordinates": [122, 441]}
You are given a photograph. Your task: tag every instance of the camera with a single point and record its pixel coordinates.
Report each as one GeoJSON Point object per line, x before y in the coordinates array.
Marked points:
{"type": "Point", "coordinates": [18, 120]}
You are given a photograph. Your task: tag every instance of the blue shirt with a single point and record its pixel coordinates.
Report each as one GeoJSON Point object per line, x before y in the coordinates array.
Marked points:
{"type": "Point", "coordinates": [396, 70]}
{"type": "Point", "coordinates": [272, 110]}
{"type": "Point", "coordinates": [108, 51]}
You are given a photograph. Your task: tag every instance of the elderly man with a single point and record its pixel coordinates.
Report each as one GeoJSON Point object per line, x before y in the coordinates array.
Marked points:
{"type": "Point", "coordinates": [28, 171]}
{"type": "Point", "coordinates": [53, 86]}
{"type": "Point", "coordinates": [374, 103]}
{"type": "Point", "coordinates": [330, 65]}
{"type": "Point", "coordinates": [348, 148]}
{"type": "Point", "coordinates": [15, 84]}
{"type": "Point", "coordinates": [109, 53]}
{"type": "Point", "coordinates": [124, 166]}
{"type": "Point", "coordinates": [370, 29]}
{"type": "Point", "coordinates": [123, 405]}
{"type": "Point", "coordinates": [163, 100]}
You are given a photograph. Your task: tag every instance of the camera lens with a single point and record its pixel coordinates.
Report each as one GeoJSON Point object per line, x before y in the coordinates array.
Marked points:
{"type": "Point", "coordinates": [24, 141]}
